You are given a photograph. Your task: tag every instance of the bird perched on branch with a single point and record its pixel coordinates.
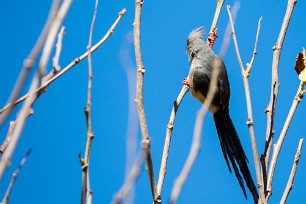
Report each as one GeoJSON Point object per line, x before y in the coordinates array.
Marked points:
{"type": "Point", "coordinates": [202, 63]}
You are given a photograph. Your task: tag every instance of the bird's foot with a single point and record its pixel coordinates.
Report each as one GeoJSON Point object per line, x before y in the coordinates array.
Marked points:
{"type": "Point", "coordinates": [186, 82]}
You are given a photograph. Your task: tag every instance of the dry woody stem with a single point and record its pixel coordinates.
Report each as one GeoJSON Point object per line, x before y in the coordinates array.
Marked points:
{"type": "Point", "coordinates": [270, 110]}
{"type": "Point", "coordinates": [72, 63]}
{"type": "Point", "coordinates": [139, 101]}
{"type": "Point", "coordinates": [45, 84]}
{"type": "Point", "coordinates": [6, 197]}
{"type": "Point", "coordinates": [250, 122]}
{"type": "Point", "coordinates": [278, 145]}
{"type": "Point", "coordinates": [86, 195]}
{"type": "Point", "coordinates": [289, 185]}
{"type": "Point", "coordinates": [29, 61]}
{"type": "Point", "coordinates": [169, 129]}
{"type": "Point", "coordinates": [32, 95]}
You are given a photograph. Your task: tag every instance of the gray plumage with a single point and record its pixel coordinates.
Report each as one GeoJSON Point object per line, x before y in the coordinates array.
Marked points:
{"type": "Point", "coordinates": [202, 61]}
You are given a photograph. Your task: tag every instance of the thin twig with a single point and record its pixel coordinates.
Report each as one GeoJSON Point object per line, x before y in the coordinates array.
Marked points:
{"type": "Point", "coordinates": [86, 189]}
{"type": "Point", "coordinates": [55, 59]}
{"type": "Point", "coordinates": [72, 64]}
{"type": "Point", "coordinates": [131, 178]}
{"type": "Point", "coordinates": [195, 146]}
{"type": "Point", "coordinates": [21, 118]}
{"type": "Point", "coordinates": [216, 17]}
{"type": "Point", "coordinates": [227, 36]}
{"type": "Point", "coordinates": [270, 110]}
{"type": "Point", "coordinates": [250, 64]}
{"type": "Point", "coordinates": [250, 121]}
{"type": "Point", "coordinates": [10, 133]}
{"type": "Point", "coordinates": [278, 145]}
{"type": "Point", "coordinates": [8, 136]}
{"type": "Point", "coordinates": [6, 197]}
{"type": "Point", "coordinates": [289, 185]}
{"type": "Point", "coordinates": [29, 61]}
{"type": "Point", "coordinates": [169, 129]}
{"type": "Point", "coordinates": [139, 101]}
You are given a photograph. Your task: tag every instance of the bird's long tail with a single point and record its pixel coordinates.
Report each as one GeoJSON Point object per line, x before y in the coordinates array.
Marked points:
{"type": "Point", "coordinates": [233, 151]}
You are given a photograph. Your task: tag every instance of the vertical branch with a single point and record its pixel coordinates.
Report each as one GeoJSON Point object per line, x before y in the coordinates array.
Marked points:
{"type": "Point", "coordinates": [270, 110]}
{"type": "Point", "coordinates": [139, 101]}
{"type": "Point", "coordinates": [289, 185]}
{"type": "Point", "coordinates": [32, 95]}
{"type": "Point", "coordinates": [6, 197]}
{"type": "Point", "coordinates": [86, 189]}
{"type": "Point", "coordinates": [278, 145]}
{"type": "Point", "coordinates": [250, 122]}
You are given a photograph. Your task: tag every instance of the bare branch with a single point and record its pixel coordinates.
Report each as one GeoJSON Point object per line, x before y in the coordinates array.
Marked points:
{"type": "Point", "coordinates": [278, 145]}
{"type": "Point", "coordinates": [250, 64]}
{"type": "Point", "coordinates": [289, 185]}
{"type": "Point", "coordinates": [250, 121]}
{"type": "Point", "coordinates": [21, 118]}
{"type": "Point", "coordinates": [72, 64]}
{"type": "Point", "coordinates": [139, 101]}
{"type": "Point", "coordinates": [29, 61]}
{"type": "Point", "coordinates": [195, 146]}
{"type": "Point", "coordinates": [14, 177]}
{"type": "Point", "coordinates": [216, 17]}
{"type": "Point", "coordinates": [270, 110]}
{"type": "Point", "coordinates": [8, 136]}
{"type": "Point", "coordinates": [86, 189]}
{"type": "Point", "coordinates": [129, 182]}
{"type": "Point", "coordinates": [227, 36]}
{"type": "Point", "coordinates": [55, 59]}
{"type": "Point", "coordinates": [169, 129]}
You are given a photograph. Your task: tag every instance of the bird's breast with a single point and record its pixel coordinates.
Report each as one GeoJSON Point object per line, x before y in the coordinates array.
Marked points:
{"type": "Point", "coordinates": [198, 95]}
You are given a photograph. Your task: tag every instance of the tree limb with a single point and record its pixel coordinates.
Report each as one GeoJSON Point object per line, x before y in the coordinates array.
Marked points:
{"type": "Point", "coordinates": [270, 110]}
{"type": "Point", "coordinates": [289, 185]}
{"type": "Point", "coordinates": [250, 121]}
{"type": "Point", "coordinates": [278, 145]}
{"type": "Point", "coordinates": [139, 101]}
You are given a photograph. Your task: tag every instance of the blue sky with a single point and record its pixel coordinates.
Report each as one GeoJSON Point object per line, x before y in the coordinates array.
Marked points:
{"type": "Point", "coordinates": [57, 131]}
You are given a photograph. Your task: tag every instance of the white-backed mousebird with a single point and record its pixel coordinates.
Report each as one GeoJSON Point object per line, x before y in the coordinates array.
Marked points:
{"type": "Point", "coordinates": [202, 61]}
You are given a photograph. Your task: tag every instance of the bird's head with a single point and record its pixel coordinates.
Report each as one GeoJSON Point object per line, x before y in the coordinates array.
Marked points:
{"type": "Point", "coordinates": [195, 42]}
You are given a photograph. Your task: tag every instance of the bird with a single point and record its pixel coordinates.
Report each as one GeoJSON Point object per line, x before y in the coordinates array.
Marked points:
{"type": "Point", "coordinates": [202, 63]}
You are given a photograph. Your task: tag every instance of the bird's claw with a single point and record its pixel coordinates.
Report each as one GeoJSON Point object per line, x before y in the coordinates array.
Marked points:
{"type": "Point", "coordinates": [186, 82]}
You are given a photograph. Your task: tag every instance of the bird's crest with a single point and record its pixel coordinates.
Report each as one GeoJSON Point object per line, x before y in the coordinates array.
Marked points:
{"type": "Point", "coordinates": [197, 33]}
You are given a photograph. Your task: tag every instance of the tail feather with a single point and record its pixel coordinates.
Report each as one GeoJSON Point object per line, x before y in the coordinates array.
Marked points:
{"type": "Point", "coordinates": [233, 151]}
